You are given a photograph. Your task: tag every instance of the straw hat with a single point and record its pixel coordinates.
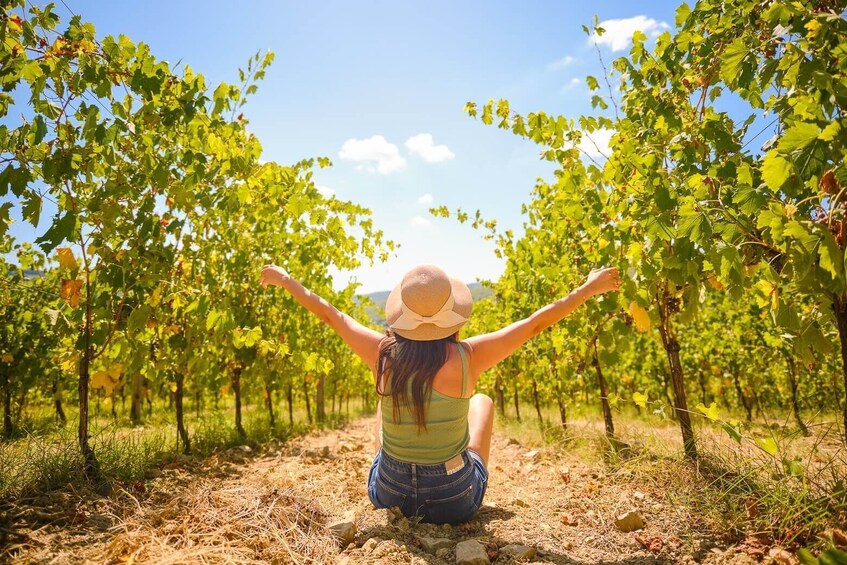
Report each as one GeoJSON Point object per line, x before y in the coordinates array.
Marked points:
{"type": "Point", "coordinates": [428, 305]}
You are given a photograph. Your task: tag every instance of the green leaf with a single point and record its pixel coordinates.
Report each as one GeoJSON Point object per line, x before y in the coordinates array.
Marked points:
{"type": "Point", "coordinates": [775, 170]}
{"type": "Point", "coordinates": [682, 13]}
{"type": "Point", "coordinates": [138, 320]}
{"type": "Point", "coordinates": [60, 230]}
{"type": "Point", "coordinates": [31, 210]}
{"type": "Point", "coordinates": [833, 556]}
{"type": "Point", "coordinates": [731, 61]}
{"type": "Point", "coordinates": [733, 429]}
{"type": "Point", "coordinates": [831, 255]}
{"type": "Point", "coordinates": [639, 399]}
{"type": "Point", "coordinates": [793, 467]}
{"type": "Point", "coordinates": [830, 132]}
{"type": "Point", "coordinates": [31, 71]}
{"type": "Point", "coordinates": [768, 445]}
{"type": "Point", "coordinates": [40, 128]}
{"type": "Point", "coordinates": [592, 82]}
{"type": "Point", "coordinates": [806, 558]}
{"type": "Point", "coordinates": [798, 136]}
{"type": "Point", "coordinates": [692, 223]}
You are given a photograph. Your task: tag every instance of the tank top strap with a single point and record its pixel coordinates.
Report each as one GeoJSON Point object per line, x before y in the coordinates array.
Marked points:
{"type": "Point", "coordinates": [464, 357]}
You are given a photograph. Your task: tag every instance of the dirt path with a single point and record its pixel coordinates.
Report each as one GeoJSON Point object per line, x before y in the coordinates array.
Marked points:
{"type": "Point", "coordinates": [274, 506]}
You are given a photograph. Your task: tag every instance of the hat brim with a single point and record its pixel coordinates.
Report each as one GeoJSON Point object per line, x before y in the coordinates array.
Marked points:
{"type": "Point", "coordinates": [462, 304]}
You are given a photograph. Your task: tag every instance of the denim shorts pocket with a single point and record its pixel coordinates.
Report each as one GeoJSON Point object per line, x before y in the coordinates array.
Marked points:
{"type": "Point", "coordinates": [452, 510]}
{"type": "Point", "coordinates": [384, 496]}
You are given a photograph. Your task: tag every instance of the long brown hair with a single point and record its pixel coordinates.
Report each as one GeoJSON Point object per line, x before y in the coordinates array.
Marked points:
{"type": "Point", "coordinates": [404, 362]}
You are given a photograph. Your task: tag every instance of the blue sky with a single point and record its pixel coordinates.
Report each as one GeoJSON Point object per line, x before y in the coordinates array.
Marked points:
{"type": "Point", "coordinates": [379, 87]}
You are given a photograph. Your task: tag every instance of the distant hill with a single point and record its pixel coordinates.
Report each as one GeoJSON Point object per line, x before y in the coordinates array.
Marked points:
{"type": "Point", "coordinates": [478, 292]}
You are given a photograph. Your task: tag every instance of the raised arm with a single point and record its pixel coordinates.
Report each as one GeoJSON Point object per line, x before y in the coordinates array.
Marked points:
{"type": "Point", "coordinates": [491, 348]}
{"type": "Point", "coordinates": [362, 340]}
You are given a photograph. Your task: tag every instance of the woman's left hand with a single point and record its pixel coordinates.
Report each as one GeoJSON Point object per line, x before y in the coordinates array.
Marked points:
{"type": "Point", "coordinates": [273, 275]}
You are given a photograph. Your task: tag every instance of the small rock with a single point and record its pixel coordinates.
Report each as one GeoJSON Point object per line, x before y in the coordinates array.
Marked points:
{"type": "Point", "coordinates": [432, 545]}
{"type": "Point", "coordinates": [370, 545]}
{"type": "Point", "coordinates": [244, 448]}
{"type": "Point", "coordinates": [383, 549]}
{"type": "Point", "coordinates": [519, 502]}
{"type": "Point", "coordinates": [779, 556]}
{"type": "Point", "coordinates": [325, 452]}
{"type": "Point", "coordinates": [567, 546]}
{"type": "Point", "coordinates": [638, 495]}
{"type": "Point", "coordinates": [516, 551]}
{"type": "Point", "coordinates": [402, 524]}
{"type": "Point", "coordinates": [531, 454]}
{"type": "Point", "coordinates": [838, 537]}
{"type": "Point", "coordinates": [344, 531]}
{"type": "Point", "coordinates": [629, 522]}
{"type": "Point", "coordinates": [442, 553]}
{"type": "Point", "coordinates": [513, 441]}
{"type": "Point", "coordinates": [471, 552]}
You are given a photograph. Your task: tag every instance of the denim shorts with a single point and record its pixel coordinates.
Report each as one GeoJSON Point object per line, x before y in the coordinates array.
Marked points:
{"type": "Point", "coordinates": [428, 491]}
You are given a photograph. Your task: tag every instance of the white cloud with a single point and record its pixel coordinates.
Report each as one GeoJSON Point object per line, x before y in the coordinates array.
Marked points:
{"type": "Point", "coordinates": [426, 199]}
{"type": "Point", "coordinates": [570, 85]}
{"type": "Point", "coordinates": [375, 153]}
{"type": "Point", "coordinates": [420, 221]}
{"type": "Point", "coordinates": [422, 146]}
{"type": "Point", "coordinates": [596, 143]}
{"type": "Point", "coordinates": [325, 191]}
{"type": "Point", "coordinates": [618, 33]}
{"type": "Point", "coordinates": [561, 63]}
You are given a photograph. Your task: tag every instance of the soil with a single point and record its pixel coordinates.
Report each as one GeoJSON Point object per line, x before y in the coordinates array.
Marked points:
{"type": "Point", "coordinates": [275, 505]}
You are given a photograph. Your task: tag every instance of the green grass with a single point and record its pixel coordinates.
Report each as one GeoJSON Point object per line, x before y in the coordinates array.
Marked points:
{"type": "Point", "coordinates": [737, 488]}
{"type": "Point", "coordinates": [44, 456]}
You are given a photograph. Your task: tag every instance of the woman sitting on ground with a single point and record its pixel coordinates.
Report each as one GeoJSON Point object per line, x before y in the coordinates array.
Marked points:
{"type": "Point", "coordinates": [434, 433]}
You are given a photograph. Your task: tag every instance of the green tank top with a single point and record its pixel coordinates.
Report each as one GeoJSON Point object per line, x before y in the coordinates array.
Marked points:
{"type": "Point", "coordinates": [446, 434]}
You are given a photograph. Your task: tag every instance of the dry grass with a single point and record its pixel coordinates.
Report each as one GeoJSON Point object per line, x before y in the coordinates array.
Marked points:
{"type": "Point", "coordinates": [560, 496]}
{"type": "Point", "coordinates": [244, 522]}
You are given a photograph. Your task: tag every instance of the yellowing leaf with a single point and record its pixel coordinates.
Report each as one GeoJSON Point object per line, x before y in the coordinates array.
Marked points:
{"type": "Point", "coordinates": [7, 358]}
{"type": "Point", "coordinates": [155, 298]}
{"type": "Point", "coordinates": [639, 399]}
{"type": "Point", "coordinates": [70, 291]}
{"type": "Point", "coordinates": [172, 386]}
{"type": "Point", "coordinates": [639, 316]}
{"type": "Point", "coordinates": [102, 379]}
{"type": "Point", "coordinates": [713, 282]}
{"type": "Point", "coordinates": [14, 24]}
{"type": "Point", "coordinates": [66, 258]}
{"type": "Point", "coordinates": [711, 412]}
{"type": "Point", "coordinates": [768, 445]}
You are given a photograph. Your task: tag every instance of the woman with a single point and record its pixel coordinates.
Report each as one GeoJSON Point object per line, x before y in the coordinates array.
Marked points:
{"type": "Point", "coordinates": [434, 435]}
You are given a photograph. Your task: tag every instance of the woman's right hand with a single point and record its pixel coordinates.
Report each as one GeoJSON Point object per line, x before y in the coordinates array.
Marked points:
{"type": "Point", "coordinates": [601, 281]}
{"type": "Point", "coordinates": [273, 276]}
